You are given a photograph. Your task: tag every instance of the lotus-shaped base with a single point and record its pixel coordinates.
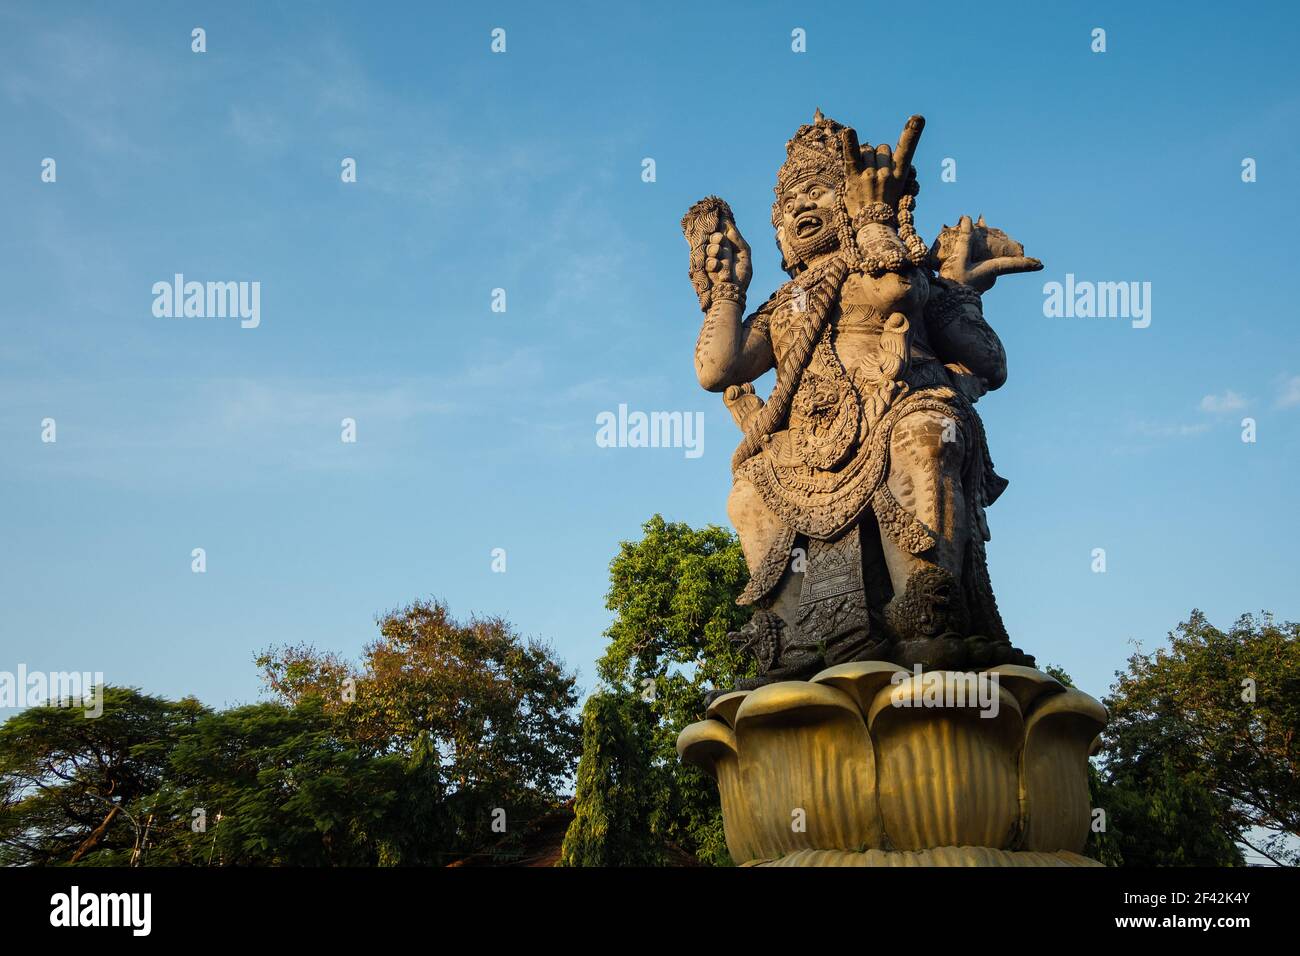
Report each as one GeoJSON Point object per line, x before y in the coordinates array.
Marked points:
{"type": "Point", "coordinates": [868, 764]}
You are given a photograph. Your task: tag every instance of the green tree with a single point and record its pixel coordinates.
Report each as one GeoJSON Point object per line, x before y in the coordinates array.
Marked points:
{"type": "Point", "coordinates": [496, 711]}
{"type": "Point", "coordinates": [409, 759]}
{"type": "Point", "coordinates": [271, 785]}
{"type": "Point", "coordinates": [76, 789]}
{"type": "Point", "coordinates": [617, 796]}
{"type": "Point", "coordinates": [1201, 752]}
{"type": "Point", "coordinates": [674, 596]}
{"type": "Point", "coordinates": [1153, 815]}
{"type": "Point", "coordinates": [282, 785]}
{"type": "Point", "coordinates": [1157, 816]}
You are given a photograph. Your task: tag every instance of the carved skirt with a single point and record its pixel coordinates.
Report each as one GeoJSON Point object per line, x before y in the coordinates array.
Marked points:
{"type": "Point", "coordinates": [823, 504]}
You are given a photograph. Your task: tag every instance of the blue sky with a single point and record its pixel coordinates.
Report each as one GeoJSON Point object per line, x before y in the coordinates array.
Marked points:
{"type": "Point", "coordinates": [522, 171]}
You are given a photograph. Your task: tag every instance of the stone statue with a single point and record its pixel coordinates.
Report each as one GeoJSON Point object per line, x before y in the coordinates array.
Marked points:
{"type": "Point", "coordinates": [860, 487]}
{"type": "Point", "coordinates": [861, 483]}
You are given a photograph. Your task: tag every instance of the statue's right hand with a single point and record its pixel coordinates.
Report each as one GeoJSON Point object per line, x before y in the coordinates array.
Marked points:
{"type": "Point", "coordinates": [720, 258]}
{"type": "Point", "coordinates": [727, 258]}
{"type": "Point", "coordinates": [879, 174]}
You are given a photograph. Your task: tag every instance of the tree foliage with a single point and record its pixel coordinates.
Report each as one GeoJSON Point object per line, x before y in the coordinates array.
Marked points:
{"type": "Point", "coordinates": [617, 798]}
{"type": "Point", "coordinates": [72, 787]}
{"type": "Point", "coordinates": [281, 785]}
{"type": "Point", "coordinates": [495, 710]}
{"type": "Point", "coordinates": [409, 759]}
{"type": "Point", "coordinates": [1204, 741]}
{"type": "Point", "coordinates": [674, 594]}
{"type": "Point", "coordinates": [1157, 816]}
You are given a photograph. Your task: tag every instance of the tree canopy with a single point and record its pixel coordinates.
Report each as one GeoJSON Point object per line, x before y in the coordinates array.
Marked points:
{"type": "Point", "coordinates": [1206, 731]}
{"type": "Point", "coordinates": [448, 738]}
{"type": "Point", "coordinates": [451, 738]}
{"type": "Point", "coordinates": [673, 593]}
{"type": "Point", "coordinates": [617, 805]}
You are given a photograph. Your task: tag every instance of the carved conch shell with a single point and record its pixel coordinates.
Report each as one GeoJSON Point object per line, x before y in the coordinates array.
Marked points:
{"type": "Point", "coordinates": [987, 242]}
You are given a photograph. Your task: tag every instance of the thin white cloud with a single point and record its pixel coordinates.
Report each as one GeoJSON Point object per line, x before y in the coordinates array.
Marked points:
{"type": "Point", "coordinates": [216, 430]}
{"type": "Point", "coordinates": [91, 76]}
{"type": "Point", "coordinates": [1223, 404]}
{"type": "Point", "coordinates": [512, 372]}
{"type": "Point", "coordinates": [1169, 429]}
{"type": "Point", "coordinates": [246, 407]}
{"type": "Point", "coordinates": [1289, 392]}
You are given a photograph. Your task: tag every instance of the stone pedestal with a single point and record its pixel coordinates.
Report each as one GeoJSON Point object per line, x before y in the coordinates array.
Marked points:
{"type": "Point", "coordinates": [868, 764]}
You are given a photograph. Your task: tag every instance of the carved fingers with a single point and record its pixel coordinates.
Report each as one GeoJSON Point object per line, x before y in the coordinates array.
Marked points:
{"type": "Point", "coordinates": [727, 257]}
{"type": "Point", "coordinates": [966, 255]}
{"type": "Point", "coordinates": [717, 257]}
{"type": "Point", "coordinates": [853, 153]}
{"type": "Point", "coordinates": [743, 268]}
{"type": "Point", "coordinates": [907, 141]}
{"type": "Point", "coordinates": [880, 173]}
{"type": "Point", "coordinates": [987, 272]}
{"type": "Point", "coordinates": [960, 248]}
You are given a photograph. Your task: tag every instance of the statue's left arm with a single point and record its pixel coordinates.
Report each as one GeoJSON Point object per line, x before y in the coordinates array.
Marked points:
{"type": "Point", "coordinates": [970, 258]}
{"type": "Point", "coordinates": [962, 339]}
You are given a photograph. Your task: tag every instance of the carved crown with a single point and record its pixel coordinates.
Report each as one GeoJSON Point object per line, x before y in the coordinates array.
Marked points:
{"type": "Point", "coordinates": [815, 151]}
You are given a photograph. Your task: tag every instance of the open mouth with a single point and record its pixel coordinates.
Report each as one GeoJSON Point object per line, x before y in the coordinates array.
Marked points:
{"type": "Point", "coordinates": [808, 225]}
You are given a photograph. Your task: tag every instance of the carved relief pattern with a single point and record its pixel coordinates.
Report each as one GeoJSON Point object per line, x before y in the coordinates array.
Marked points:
{"type": "Point", "coordinates": [770, 570]}
{"type": "Point", "coordinates": [899, 523]}
{"type": "Point", "coordinates": [822, 504]}
{"type": "Point", "coordinates": [873, 327]}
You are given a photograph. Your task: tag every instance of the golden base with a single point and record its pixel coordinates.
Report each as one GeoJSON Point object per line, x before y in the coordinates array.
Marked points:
{"type": "Point", "coordinates": [871, 765]}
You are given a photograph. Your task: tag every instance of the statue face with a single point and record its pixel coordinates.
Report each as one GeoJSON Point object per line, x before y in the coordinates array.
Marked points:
{"type": "Point", "coordinates": [808, 214]}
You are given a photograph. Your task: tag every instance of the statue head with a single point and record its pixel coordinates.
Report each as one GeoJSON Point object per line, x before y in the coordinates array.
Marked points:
{"type": "Point", "coordinates": [809, 213]}
{"type": "Point", "coordinates": [811, 218]}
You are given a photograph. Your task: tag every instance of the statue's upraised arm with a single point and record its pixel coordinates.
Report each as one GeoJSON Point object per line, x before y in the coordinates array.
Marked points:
{"type": "Point", "coordinates": [955, 327]}
{"type": "Point", "coordinates": [969, 259]}
{"type": "Point", "coordinates": [728, 351]}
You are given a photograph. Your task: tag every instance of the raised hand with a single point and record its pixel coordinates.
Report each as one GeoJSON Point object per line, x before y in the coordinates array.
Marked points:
{"type": "Point", "coordinates": [975, 254]}
{"type": "Point", "coordinates": [727, 257]}
{"type": "Point", "coordinates": [880, 174]}
{"type": "Point", "coordinates": [720, 257]}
